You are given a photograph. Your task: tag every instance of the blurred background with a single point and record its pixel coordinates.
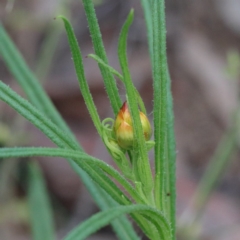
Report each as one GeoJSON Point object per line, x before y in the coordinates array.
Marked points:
{"type": "Point", "coordinates": [203, 54]}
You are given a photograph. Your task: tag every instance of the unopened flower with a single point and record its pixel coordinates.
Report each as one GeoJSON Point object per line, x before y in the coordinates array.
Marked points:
{"type": "Point", "coordinates": [123, 127]}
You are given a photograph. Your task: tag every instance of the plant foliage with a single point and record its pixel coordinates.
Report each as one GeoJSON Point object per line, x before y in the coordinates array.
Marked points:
{"type": "Point", "coordinates": [148, 198]}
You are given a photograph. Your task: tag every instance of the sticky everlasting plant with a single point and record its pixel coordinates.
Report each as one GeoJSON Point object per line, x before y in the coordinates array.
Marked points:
{"type": "Point", "coordinates": [149, 197]}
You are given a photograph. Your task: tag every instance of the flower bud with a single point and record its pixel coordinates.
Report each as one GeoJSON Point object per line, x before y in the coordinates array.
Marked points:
{"type": "Point", "coordinates": [123, 128]}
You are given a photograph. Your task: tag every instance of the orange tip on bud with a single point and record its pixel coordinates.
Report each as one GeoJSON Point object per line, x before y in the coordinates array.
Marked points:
{"type": "Point", "coordinates": [123, 127]}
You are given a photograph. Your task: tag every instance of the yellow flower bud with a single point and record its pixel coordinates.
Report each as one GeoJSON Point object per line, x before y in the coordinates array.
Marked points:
{"type": "Point", "coordinates": [123, 128]}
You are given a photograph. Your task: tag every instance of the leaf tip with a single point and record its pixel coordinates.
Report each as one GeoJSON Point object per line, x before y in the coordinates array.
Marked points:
{"type": "Point", "coordinates": [131, 12]}
{"type": "Point", "coordinates": [130, 15]}
{"type": "Point", "coordinates": [60, 17]}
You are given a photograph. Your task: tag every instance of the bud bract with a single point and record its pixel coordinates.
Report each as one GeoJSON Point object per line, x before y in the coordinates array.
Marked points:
{"type": "Point", "coordinates": [123, 128]}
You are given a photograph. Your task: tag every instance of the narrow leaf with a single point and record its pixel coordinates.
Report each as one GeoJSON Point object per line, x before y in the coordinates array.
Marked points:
{"type": "Point", "coordinates": [109, 81]}
{"type": "Point", "coordinates": [36, 118]}
{"type": "Point", "coordinates": [80, 159]}
{"type": "Point", "coordinates": [106, 66]}
{"type": "Point", "coordinates": [147, 9]}
{"type": "Point", "coordinates": [121, 226]}
{"type": "Point", "coordinates": [78, 63]}
{"type": "Point", "coordinates": [171, 148]}
{"type": "Point", "coordinates": [40, 210]}
{"type": "Point", "coordinates": [160, 101]}
{"type": "Point", "coordinates": [31, 86]}
{"type": "Point", "coordinates": [143, 166]}
{"type": "Point", "coordinates": [102, 219]}
{"type": "Point", "coordinates": [77, 156]}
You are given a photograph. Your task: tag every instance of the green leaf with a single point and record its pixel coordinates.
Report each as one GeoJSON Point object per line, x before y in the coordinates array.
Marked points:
{"type": "Point", "coordinates": [109, 81]}
{"type": "Point", "coordinates": [47, 51]}
{"type": "Point", "coordinates": [77, 156]}
{"type": "Point", "coordinates": [106, 66]}
{"type": "Point", "coordinates": [57, 136]}
{"type": "Point", "coordinates": [36, 117]}
{"type": "Point", "coordinates": [81, 159]}
{"type": "Point", "coordinates": [102, 219]}
{"type": "Point", "coordinates": [170, 148]}
{"type": "Point", "coordinates": [121, 226]}
{"type": "Point", "coordinates": [39, 205]}
{"type": "Point", "coordinates": [147, 9]}
{"type": "Point", "coordinates": [34, 91]}
{"type": "Point", "coordinates": [160, 101]}
{"type": "Point", "coordinates": [142, 163]}
{"type": "Point", "coordinates": [78, 63]}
